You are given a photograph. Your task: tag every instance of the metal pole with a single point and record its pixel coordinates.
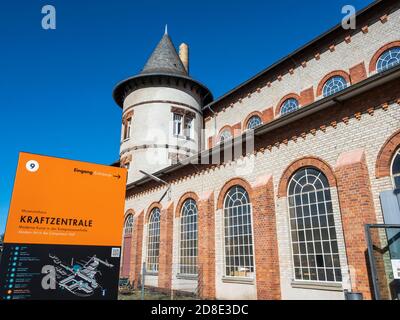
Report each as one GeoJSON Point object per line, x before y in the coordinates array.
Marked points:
{"type": "Point", "coordinates": [372, 261]}
{"type": "Point", "coordinates": [143, 279]}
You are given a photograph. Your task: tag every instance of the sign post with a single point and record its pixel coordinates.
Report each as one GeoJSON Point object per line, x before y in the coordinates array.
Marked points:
{"type": "Point", "coordinates": [63, 233]}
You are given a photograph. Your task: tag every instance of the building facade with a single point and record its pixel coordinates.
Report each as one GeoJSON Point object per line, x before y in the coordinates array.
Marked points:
{"type": "Point", "coordinates": [264, 193]}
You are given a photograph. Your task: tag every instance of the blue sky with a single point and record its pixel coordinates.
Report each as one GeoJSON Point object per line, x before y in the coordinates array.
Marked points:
{"type": "Point", "coordinates": [56, 85]}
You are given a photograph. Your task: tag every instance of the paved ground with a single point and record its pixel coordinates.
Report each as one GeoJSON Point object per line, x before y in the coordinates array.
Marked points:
{"type": "Point", "coordinates": [152, 296]}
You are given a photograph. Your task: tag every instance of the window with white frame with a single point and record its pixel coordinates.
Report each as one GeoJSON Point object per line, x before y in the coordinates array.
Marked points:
{"type": "Point", "coordinates": [333, 85]}
{"type": "Point", "coordinates": [182, 125]}
{"type": "Point", "coordinates": [188, 127]}
{"type": "Point", "coordinates": [128, 225]}
{"type": "Point", "coordinates": [396, 170]}
{"type": "Point", "coordinates": [177, 122]}
{"type": "Point", "coordinates": [225, 136]}
{"type": "Point", "coordinates": [389, 59]}
{"type": "Point", "coordinates": [312, 224]}
{"type": "Point", "coordinates": [238, 234]}
{"type": "Point", "coordinates": [127, 128]}
{"type": "Point", "coordinates": [289, 105]}
{"type": "Point", "coordinates": [188, 243]}
{"type": "Point", "coordinates": [153, 241]}
{"type": "Point", "coordinates": [254, 122]}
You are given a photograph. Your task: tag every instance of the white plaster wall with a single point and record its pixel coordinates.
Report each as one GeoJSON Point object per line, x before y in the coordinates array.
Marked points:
{"type": "Point", "coordinates": [152, 124]}
{"type": "Point", "coordinates": [368, 133]}
{"type": "Point", "coordinates": [361, 49]}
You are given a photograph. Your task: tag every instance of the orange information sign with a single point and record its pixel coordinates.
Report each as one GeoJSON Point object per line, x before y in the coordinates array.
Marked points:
{"type": "Point", "coordinates": [69, 215]}
{"type": "Point", "coordinates": [58, 201]}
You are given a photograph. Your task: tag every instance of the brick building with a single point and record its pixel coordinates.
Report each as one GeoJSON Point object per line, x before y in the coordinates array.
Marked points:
{"type": "Point", "coordinates": [265, 191]}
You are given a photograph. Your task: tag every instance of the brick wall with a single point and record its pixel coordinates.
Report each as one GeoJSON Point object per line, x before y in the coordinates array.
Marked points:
{"type": "Point", "coordinates": [136, 258]}
{"type": "Point", "coordinates": [206, 250]}
{"type": "Point", "coordinates": [344, 132]}
{"type": "Point", "coordinates": [358, 73]}
{"type": "Point", "coordinates": [165, 258]}
{"type": "Point", "coordinates": [265, 240]}
{"type": "Point", "coordinates": [357, 209]}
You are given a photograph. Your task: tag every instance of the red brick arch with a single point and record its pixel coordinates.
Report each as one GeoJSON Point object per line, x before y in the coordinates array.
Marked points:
{"type": "Point", "coordinates": [152, 206]}
{"type": "Point", "coordinates": [386, 154]}
{"type": "Point", "coordinates": [374, 60]}
{"type": "Point", "coordinates": [234, 182]}
{"type": "Point", "coordinates": [255, 113]}
{"type": "Point", "coordinates": [227, 127]}
{"type": "Point", "coordinates": [183, 198]}
{"type": "Point", "coordinates": [288, 96]}
{"type": "Point", "coordinates": [340, 73]}
{"type": "Point", "coordinates": [301, 163]}
{"type": "Point", "coordinates": [128, 212]}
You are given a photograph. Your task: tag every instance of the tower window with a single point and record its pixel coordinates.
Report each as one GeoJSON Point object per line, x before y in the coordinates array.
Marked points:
{"type": "Point", "coordinates": [388, 59]}
{"type": "Point", "coordinates": [333, 85]}
{"type": "Point", "coordinates": [312, 225]}
{"type": "Point", "coordinates": [289, 105]}
{"type": "Point", "coordinates": [238, 234]}
{"type": "Point", "coordinates": [396, 170]}
{"type": "Point", "coordinates": [188, 127]}
{"type": "Point", "coordinates": [182, 125]}
{"type": "Point", "coordinates": [126, 165]}
{"type": "Point", "coordinates": [127, 128]}
{"type": "Point", "coordinates": [178, 118]}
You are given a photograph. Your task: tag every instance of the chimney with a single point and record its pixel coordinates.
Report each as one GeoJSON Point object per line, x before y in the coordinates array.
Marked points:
{"type": "Point", "coordinates": [184, 55]}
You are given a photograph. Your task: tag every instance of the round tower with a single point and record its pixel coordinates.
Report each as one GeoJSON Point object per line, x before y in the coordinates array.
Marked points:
{"type": "Point", "coordinates": [161, 112]}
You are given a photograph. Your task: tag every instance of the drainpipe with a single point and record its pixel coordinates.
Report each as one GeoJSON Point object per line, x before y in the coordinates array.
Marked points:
{"type": "Point", "coordinates": [215, 118]}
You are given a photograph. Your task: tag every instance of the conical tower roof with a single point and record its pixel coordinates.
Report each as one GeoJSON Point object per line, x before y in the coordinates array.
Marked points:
{"type": "Point", "coordinates": [164, 63]}
{"type": "Point", "coordinates": [164, 59]}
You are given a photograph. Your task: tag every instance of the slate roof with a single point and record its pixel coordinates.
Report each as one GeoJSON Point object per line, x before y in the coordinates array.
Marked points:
{"type": "Point", "coordinates": [164, 59]}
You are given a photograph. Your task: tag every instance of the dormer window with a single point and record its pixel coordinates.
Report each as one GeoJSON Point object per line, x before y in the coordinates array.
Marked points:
{"type": "Point", "coordinates": [225, 136]}
{"type": "Point", "coordinates": [388, 59]}
{"type": "Point", "coordinates": [254, 122]}
{"type": "Point", "coordinates": [289, 105]}
{"type": "Point", "coordinates": [334, 85]}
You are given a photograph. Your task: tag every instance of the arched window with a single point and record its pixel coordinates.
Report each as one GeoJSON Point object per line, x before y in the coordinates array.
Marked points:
{"type": "Point", "coordinates": [188, 248]}
{"type": "Point", "coordinates": [333, 85]}
{"type": "Point", "coordinates": [313, 233]}
{"type": "Point", "coordinates": [388, 59]}
{"type": "Point", "coordinates": [254, 122]}
{"type": "Point", "coordinates": [238, 234]}
{"type": "Point", "coordinates": [289, 105]}
{"type": "Point", "coordinates": [396, 170]}
{"type": "Point", "coordinates": [225, 136]}
{"type": "Point", "coordinates": [153, 241]}
{"type": "Point", "coordinates": [128, 225]}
